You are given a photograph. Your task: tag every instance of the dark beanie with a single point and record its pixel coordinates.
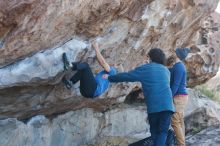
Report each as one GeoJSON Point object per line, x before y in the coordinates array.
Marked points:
{"type": "Point", "coordinates": [182, 53]}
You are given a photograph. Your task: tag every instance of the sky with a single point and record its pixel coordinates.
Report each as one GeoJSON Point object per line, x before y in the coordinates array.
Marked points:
{"type": "Point", "coordinates": [218, 8]}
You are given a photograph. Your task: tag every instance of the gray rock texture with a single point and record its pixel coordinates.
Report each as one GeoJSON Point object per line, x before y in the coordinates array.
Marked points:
{"type": "Point", "coordinates": [35, 33]}
{"type": "Point", "coordinates": [115, 125]}
{"type": "Point", "coordinates": [75, 128]}
{"type": "Point", "coordinates": [207, 137]}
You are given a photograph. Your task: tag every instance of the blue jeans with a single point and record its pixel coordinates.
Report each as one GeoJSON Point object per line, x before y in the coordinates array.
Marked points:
{"type": "Point", "coordinates": [159, 126]}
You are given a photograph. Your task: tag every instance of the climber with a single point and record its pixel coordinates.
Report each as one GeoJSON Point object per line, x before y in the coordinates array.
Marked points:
{"type": "Point", "coordinates": [90, 86]}
{"type": "Point", "coordinates": [178, 87]}
{"type": "Point", "coordinates": [155, 80]}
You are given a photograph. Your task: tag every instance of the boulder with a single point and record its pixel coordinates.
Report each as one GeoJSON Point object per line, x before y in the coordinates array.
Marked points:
{"type": "Point", "coordinates": [207, 137]}
{"type": "Point", "coordinates": [75, 128]}
{"type": "Point", "coordinates": [200, 119]}
{"type": "Point", "coordinates": [198, 101]}
{"type": "Point", "coordinates": [35, 33]}
{"type": "Point", "coordinates": [99, 123]}
{"type": "Point", "coordinates": [213, 83]}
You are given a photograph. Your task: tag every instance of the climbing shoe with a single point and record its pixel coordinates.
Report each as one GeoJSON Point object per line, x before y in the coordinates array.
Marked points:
{"type": "Point", "coordinates": [67, 83]}
{"type": "Point", "coordinates": [65, 62]}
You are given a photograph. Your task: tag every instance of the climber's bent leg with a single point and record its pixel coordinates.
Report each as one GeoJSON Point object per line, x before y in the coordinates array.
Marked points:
{"type": "Point", "coordinates": [88, 83]}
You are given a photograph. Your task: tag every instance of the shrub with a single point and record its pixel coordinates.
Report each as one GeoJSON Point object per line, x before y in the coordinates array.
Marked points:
{"type": "Point", "coordinates": [212, 94]}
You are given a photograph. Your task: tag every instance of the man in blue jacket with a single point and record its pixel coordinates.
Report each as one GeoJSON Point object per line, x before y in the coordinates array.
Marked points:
{"type": "Point", "coordinates": [178, 83]}
{"type": "Point", "coordinates": [155, 80]}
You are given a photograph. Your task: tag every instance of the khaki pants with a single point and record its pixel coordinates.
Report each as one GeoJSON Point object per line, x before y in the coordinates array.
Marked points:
{"type": "Point", "coordinates": [180, 102]}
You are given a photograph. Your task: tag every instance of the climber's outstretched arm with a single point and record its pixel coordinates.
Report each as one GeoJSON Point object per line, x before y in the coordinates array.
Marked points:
{"type": "Point", "coordinates": [100, 58]}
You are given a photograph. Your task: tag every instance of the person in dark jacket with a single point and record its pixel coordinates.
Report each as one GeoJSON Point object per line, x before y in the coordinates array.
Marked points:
{"type": "Point", "coordinates": [155, 80]}
{"type": "Point", "coordinates": [90, 86]}
{"type": "Point", "coordinates": [178, 85]}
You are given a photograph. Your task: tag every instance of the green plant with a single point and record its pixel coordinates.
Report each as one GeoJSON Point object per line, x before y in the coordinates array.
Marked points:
{"type": "Point", "coordinates": [195, 130]}
{"type": "Point", "coordinates": [207, 92]}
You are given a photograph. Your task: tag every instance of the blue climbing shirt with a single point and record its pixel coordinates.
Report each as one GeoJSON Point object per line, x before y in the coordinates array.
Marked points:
{"type": "Point", "coordinates": [155, 80]}
{"type": "Point", "coordinates": [103, 84]}
{"type": "Point", "coordinates": [178, 79]}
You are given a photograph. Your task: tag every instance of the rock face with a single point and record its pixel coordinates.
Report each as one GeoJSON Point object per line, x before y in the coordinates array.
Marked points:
{"type": "Point", "coordinates": [200, 113]}
{"type": "Point", "coordinates": [116, 125]}
{"type": "Point", "coordinates": [213, 84]}
{"type": "Point", "coordinates": [208, 34]}
{"type": "Point", "coordinates": [40, 67]}
{"type": "Point", "coordinates": [207, 137]}
{"type": "Point", "coordinates": [76, 128]}
{"type": "Point", "coordinates": [34, 34]}
{"type": "Point", "coordinates": [124, 27]}
{"type": "Point", "coordinates": [201, 118]}
{"type": "Point", "coordinates": [199, 101]}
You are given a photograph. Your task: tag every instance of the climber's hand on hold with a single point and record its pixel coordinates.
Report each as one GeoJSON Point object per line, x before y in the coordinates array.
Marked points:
{"type": "Point", "coordinates": [105, 76]}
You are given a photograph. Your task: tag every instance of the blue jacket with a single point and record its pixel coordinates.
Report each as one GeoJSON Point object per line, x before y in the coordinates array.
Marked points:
{"type": "Point", "coordinates": [102, 84]}
{"type": "Point", "coordinates": [178, 79]}
{"type": "Point", "coordinates": [155, 80]}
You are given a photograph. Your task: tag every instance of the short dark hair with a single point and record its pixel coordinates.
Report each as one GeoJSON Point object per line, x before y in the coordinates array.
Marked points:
{"type": "Point", "coordinates": [157, 55]}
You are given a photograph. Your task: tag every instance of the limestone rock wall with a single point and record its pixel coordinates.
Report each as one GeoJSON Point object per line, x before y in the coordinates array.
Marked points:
{"type": "Point", "coordinates": [116, 125]}
{"type": "Point", "coordinates": [34, 34]}
{"type": "Point", "coordinates": [81, 127]}
{"type": "Point", "coordinates": [204, 56]}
